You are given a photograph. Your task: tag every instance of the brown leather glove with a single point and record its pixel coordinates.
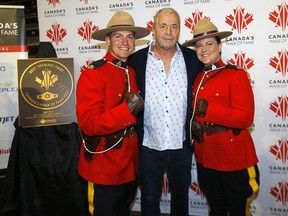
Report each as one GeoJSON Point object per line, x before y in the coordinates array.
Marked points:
{"type": "Point", "coordinates": [197, 131]}
{"type": "Point", "coordinates": [134, 102]}
{"type": "Point", "coordinates": [201, 107]}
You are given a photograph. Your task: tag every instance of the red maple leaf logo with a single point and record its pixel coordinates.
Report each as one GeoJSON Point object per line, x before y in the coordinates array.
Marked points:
{"type": "Point", "coordinates": [190, 22]}
{"type": "Point", "coordinates": [280, 17]}
{"type": "Point", "coordinates": [87, 30]}
{"type": "Point", "coordinates": [280, 63]}
{"type": "Point", "coordinates": [150, 25]}
{"type": "Point", "coordinates": [280, 192]}
{"type": "Point", "coordinates": [53, 2]}
{"type": "Point", "coordinates": [280, 150]}
{"type": "Point", "coordinates": [165, 185]}
{"type": "Point", "coordinates": [239, 19]}
{"type": "Point", "coordinates": [87, 63]}
{"type": "Point", "coordinates": [56, 34]}
{"type": "Point", "coordinates": [85, 1]}
{"type": "Point", "coordinates": [195, 187]}
{"type": "Point", "coordinates": [280, 107]}
{"type": "Point", "coordinates": [241, 61]}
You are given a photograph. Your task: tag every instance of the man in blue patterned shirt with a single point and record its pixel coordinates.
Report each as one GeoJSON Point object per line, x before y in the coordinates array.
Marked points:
{"type": "Point", "coordinates": [165, 72]}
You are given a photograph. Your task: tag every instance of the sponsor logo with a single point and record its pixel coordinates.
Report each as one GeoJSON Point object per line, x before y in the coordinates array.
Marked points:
{"type": "Point", "coordinates": [8, 29]}
{"type": "Point", "coordinates": [7, 87]}
{"type": "Point", "coordinates": [87, 30]}
{"type": "Point", "coordinates": [56, 33]}
{"type": "Point", "coordinates": [53, 2]}
{"type": "Point", "coordinates": [165, 186]}
{"type": "Point", "coordinates": [195, 17]}
{"type": "Point", "coordinates": [157, 3]}
{"type": "Point", "coordinates": [86, 10]}
{"type": "Point", "coordinates": [280, 193]}
{"type": "Point", "coordinates": [280, 107]}
{"type": "Point", "coordinates": [195, 187]}
{"type": "Point", "coordinates": [85, 1]}
{"type": "Point", "coordinates": [54, 12]}
{"type": "Point", "coordinates": [121, 6]}
{"type": "Point", "coordinates": [239, 20]}
{"type": "Point", "coordinates": [85, 66]}
{"type": "Point", "coordinates": [280, 150]}
{"type": "Point", "coordinates": [7, 119]}
{"type": "Point", "coordinates": [5, 151]}
{"type": "Point", "coordinates": [279, 18]}
{"type": "Point", "coordinates": [241, 60]}
{"type": "Point", "coordinates": [280, 62]}
{"type": "Point", "coordinates": [188, 2]}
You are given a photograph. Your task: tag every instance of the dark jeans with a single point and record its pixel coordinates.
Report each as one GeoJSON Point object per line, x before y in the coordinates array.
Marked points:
{"type": "Point", "coordinates": [111, 200]}
{"type": "Point", "coordinates": [153, 164]}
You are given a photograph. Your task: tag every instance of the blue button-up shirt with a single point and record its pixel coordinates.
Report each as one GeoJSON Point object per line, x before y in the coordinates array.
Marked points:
{"type": "Point", "coordinates": [165, 102]}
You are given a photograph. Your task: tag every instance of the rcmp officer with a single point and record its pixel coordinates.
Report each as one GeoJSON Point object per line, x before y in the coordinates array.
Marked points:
{"type": "Point", "coordinates": [107, 105]}
{"type": "Point", "coordinates": [223, 109]}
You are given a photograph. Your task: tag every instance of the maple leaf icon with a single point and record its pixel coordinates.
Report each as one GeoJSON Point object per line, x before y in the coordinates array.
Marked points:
{"type": "Point", "coordinates": [241, 61]}
{"type": "Point", "coordinates": [150, 25]}
{"type": "Point", "coordinates": [195, 187]}
{"type": "Point", "coordinates": [191, 21]}
{"type": "Point", "coordinates": [280, 150]}
{"type": "Point", "coordinates": [165, 185]}
{"type": "Point", "coordinates": [53, 2]}
{"type": "Point", "coordinates": [280, 17]}
{"type": "Point", "coordinates": [280, 107]}
{"type": "Point", "coordinates": [280, 63]}
{"type": "Point", "coordinates": [87, 30]}
{"type": "Point", "coordinates": [239, 19]}
{"type": "Point", "coordinates": [280, 192]}
{"type": "Point", "coordinates": [87, 63]}
{"type": "Point", "coordinates": [56, 34]}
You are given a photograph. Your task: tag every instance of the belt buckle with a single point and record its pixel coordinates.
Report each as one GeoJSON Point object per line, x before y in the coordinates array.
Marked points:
{"type": "Point", "coordinates": [130, 132]}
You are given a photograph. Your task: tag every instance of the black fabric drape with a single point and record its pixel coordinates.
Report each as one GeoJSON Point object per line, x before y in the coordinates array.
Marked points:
{"type": "Point", "coordinates": [41, 177]}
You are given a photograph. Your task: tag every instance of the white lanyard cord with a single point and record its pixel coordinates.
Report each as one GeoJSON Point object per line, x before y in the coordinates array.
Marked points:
{"type": "Point", "coordinates": [129, 89]}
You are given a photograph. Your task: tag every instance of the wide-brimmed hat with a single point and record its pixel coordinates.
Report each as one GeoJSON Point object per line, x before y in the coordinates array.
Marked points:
{"type": "Point", "coordinates": [121, 21]}
{"type": "Point", "coordinates": [204, 28]}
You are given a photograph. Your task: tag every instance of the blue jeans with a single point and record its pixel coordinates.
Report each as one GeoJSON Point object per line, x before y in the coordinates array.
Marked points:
{"type": "Point", "coordinates": [153, 164]}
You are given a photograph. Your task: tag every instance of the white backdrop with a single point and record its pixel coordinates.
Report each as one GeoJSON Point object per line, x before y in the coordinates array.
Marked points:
{"type": "Point", "coordinates": [259, 44]}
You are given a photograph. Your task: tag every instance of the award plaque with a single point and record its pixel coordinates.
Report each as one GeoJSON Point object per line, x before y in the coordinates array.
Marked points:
{"type": "Point", "coordinates": [46, 92]}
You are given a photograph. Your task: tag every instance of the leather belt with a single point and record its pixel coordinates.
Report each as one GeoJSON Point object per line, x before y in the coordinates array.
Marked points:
{"type": "Point", "coordinates": [129, 132]}
{"type": "Point", "coordinates": [209, 129]}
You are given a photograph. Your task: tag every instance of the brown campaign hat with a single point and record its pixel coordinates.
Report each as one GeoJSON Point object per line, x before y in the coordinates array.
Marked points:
{"type": "Point", "coordinates": [121, 21]}
{"type": "Point", "coordinates": [204, 28]}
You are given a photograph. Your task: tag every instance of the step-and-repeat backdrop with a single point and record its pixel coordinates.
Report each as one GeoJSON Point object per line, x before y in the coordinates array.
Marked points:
{"type": "Point", "coordinates": [259, 44]}
{"type": "Point", "coordinates": [12, 47]}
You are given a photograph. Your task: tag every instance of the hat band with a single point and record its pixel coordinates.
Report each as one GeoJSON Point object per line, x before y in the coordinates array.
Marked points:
{"type": "Point", "coordinates": [205, 33]}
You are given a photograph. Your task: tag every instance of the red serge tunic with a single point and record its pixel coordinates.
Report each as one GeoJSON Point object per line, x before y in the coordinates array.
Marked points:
{"type": "Point", "coordinates": [231, 104]}
{"type": "Point", "coordinates": [99, 113]}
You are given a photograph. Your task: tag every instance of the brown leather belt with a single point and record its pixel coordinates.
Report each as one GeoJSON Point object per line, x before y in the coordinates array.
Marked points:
{"type": "Point", "coordinates": [209, 129]}
{"type": "Point", "coordinates": [111, 139]}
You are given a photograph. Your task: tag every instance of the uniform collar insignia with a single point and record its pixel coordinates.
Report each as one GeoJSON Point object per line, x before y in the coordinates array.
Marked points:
{"type": "Point", "coordinates": [119, 63]}
{"type": "Point", "coordinates": [211, 67]}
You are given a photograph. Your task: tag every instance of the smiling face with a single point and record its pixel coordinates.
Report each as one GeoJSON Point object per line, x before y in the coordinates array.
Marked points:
{"type": "Point", "coordinates": [166, 30]}
{"type": "Point", "coordinates": [121, 44]}
{"type": "Point", "coordinates": [208, 50]}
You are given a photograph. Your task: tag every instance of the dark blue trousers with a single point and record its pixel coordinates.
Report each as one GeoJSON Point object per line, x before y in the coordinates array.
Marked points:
{"type": "Point", "coordinates": [111, 200]}
{"type": "Point", "coordinates": [153, 165]}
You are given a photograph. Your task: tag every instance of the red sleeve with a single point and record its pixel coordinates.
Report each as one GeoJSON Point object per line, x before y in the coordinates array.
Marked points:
{"type": "Point", "coordinates": [96, 105]}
